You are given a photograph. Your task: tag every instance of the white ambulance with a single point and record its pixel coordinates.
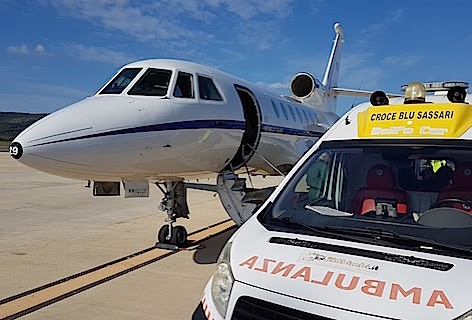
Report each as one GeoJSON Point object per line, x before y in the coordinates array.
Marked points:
{"type": "Point", "coordinates": [374, 222]}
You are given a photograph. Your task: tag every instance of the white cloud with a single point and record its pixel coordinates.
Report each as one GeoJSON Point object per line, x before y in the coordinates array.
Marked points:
{"type": "Point", "coordinates": [376, 28]}
{"type": "Point", "coordinates": [248, 9]}
{"type": "Point", "coordinates": [363, 77]}
{"type": "Point", "coordinates": [244, 9]}
{"type": "Point", "coordinates": [23, 49]}
{"type": "Point", "coordinates": [358, 71]}
{"type": "Point", "coordinates": [39, 49]}
{"type": "Point", "coordinates": [276, 86]}
{"type": "Point", "coordinates": [121, 16]}
{"type": "Point", "coordinates": [195, 9]}
{"type": "Point", "coordinates": [99, 54]}
{"type": "Point", "coordinates": [258, 35]}
{"type": "Point", "coordinates": [352, 61]}
{"type": "Point", "coordinates": [168, 23]}
{"type": "Point", "coordinates": [397, 16]}
{"type": "Point", "coordinates": [403, 61]}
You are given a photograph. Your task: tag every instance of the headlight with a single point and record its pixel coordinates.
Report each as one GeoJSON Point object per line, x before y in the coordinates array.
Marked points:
{"type": "Point", "coordinates": [222, 281]}
{"type": "Point", "coordinates": [466, 316]}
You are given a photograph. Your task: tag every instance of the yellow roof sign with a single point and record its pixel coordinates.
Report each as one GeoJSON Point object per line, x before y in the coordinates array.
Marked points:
{"type": "Point", "coordinates": [426, 120]}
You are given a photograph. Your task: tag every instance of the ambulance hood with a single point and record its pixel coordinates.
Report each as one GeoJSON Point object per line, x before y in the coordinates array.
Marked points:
{"type": "Point", "coordinates": [365, 279]}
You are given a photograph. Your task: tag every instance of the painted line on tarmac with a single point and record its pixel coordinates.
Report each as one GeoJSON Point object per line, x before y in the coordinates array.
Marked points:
{"type": "Point", "coordinates": [40, 297]}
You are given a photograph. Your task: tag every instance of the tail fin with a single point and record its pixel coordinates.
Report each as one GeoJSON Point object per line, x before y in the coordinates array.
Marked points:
{"type": "Point", "coordinates": [321, 95]}
{"type": "Point", "coordinates": [331, 77]}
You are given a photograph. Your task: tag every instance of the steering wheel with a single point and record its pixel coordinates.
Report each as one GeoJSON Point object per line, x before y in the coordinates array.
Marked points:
{"type": "Point", "coordinates": [464, 205]}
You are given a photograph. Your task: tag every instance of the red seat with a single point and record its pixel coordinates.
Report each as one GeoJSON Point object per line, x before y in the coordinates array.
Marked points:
{"type": "Point", "coordinates": [380, 185]}
{"type": "Point", "coordinates": [461, 187]}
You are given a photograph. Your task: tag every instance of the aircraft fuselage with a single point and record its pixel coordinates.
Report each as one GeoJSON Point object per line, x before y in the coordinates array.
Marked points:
{"type": "Point", "coordinates": [163, 133]}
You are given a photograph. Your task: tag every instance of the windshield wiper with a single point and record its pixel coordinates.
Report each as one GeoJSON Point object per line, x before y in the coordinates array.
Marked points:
{"type": "Point", "coordinates": [322, 231]}
{"type": "Point", "coordinates": [394, 237]}
{"type": "Point", "coordinates": [376, 235]}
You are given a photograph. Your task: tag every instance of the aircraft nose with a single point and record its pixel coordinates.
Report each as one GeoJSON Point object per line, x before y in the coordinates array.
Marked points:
{"type": "Point", "coordinates": [54, 143]}
{"type": "Point", "coordinates": [16, 150]}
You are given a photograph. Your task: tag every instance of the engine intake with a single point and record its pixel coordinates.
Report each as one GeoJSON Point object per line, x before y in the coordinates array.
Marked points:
{"type": "Point", "coordinates": [303, 85]}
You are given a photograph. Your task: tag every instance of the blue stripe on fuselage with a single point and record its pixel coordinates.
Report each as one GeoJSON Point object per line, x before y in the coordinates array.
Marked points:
{"type": "Point", "coordinates": [186, 125]}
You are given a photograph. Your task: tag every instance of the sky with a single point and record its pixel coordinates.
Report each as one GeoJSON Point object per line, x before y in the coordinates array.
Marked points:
{"type": "Point", "coordinates": [56, 52]}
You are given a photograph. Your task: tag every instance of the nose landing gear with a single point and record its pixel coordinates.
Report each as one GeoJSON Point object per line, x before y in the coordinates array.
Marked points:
{"type": "Point", "coordinates": [172, 235]}
{"type": "Point", "coordinates": [175, 205]}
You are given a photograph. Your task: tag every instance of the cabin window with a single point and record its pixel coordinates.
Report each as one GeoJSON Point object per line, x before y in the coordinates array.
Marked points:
{"type": "Point", "coordinates": [299, 115]}
{"type": "Point", "coordinates": [208, 89]}
{"type": "Point", "coordinates": [154, 82]}
{"type": "Point", "coordinates": [293, 113]}
{"type": "Point", "coordinates": [284, 110]}
{"type": "Point", "coordinates": [306, 116]}
{"type": "Point", "coordinates": [121, 81]}
{"type": "Point", "coordinates": [322, 117]}
{"type": "Point", "coordinates": [276, 109]}
{"type": "Point", "coordinates": [184, 86]}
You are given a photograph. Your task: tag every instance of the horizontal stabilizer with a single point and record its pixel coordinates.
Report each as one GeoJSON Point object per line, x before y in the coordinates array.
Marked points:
{"type": "Point", "coordinates": [360, 93]}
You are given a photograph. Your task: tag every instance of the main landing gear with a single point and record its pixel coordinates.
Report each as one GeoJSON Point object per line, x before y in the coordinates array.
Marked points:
{"type": "Point", "coordinates": [175, 205]}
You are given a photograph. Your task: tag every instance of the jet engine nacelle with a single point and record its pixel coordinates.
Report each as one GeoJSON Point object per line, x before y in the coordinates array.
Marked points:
{"type": "Point", "coordinates": [307, 89]}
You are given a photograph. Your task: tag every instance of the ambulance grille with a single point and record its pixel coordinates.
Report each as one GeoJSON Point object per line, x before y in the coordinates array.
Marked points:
{"type": "Point", "coordinates": [249, 308]}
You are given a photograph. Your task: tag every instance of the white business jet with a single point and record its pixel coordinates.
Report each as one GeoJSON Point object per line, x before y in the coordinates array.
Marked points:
{"type": "Point", "coordinates": [169, 121]}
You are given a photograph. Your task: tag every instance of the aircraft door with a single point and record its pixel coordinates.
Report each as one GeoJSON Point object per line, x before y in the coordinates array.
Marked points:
{"type": "Point", "coordinates": [252, 132]}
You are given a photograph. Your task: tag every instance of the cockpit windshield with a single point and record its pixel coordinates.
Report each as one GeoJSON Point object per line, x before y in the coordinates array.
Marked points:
{"type": "Point", "coordinates": [155, 82]}
{"type": "Point", "coordinates": [121, 81]}
{"type": "Point", "coordinates": [417, 190]}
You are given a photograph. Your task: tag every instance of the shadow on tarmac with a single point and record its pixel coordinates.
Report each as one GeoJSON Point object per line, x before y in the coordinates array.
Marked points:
{"type": "Point", "coordinates": [209, 250]}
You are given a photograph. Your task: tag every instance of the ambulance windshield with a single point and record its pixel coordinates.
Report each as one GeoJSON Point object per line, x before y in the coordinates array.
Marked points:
{"type": "Point", "coordinates": [417, 189]}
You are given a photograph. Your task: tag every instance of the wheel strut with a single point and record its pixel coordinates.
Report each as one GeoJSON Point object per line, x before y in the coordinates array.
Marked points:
{"type": "Point", "coordinates": [168, 234]}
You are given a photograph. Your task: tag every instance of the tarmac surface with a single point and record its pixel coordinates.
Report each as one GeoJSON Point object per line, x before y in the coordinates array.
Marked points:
{"type": "Point", "coordinates": [52, 228]}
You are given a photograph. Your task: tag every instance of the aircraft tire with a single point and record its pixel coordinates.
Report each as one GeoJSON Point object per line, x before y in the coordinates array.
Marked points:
{"type": "Point", "coordinates": [179, 236]}
{"type": "Point", "coordinates": [163, 231]}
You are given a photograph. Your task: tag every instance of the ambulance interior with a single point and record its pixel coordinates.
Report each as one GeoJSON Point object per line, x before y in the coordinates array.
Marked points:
{"type": "Point", "coordinates": [405, 189]}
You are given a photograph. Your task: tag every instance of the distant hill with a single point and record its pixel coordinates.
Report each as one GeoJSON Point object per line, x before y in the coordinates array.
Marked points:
{"type": "Point", "coordinates": [12, 123]}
